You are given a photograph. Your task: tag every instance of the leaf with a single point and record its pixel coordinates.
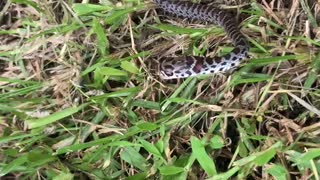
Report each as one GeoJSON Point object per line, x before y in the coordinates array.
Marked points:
{"type": "Point", "coordinates": [82, 9]}
{"type": "Point", "coordinates": [116, 14]}
{"type": "Point", "coordinates": [170, 170]}
{"type": "Point", "coordinates": [54, 117]}
{"type": "Point", "coordinates": [270, 60]}
{"type": "Point", "coordinates": [260, 158]}
{"type": "Point", "coordinates": [198, 150]}
{"type": "Point", "coordinates": [39, 157]}
{"type": "Point", "coordinates": [225, 175]}
{"type": "Point", "coordinates": [130, 67]}
{"type": "Point", "coordinates": [145, 104]}
{"type": "Point", "coordinates": [216, 142]}
{"type": "Point", "coordinates": [131, 156]}
{"type": "Point", "coordinates": [147, 126]}
{"type": "Point", "coordinates": [13, 165]}
{"type": "Point", "coordinates": [309, 155]}
{"type": "Point", "coordinates": [64, 176]}
{"type": "Point", "coordinates": [108, 71]}
{"type": "Point", "coordinates": [138, 176]}
{"type": "Point", "coordinates": [150, 148]}
{"type": "Point", "coordinates": [265, 156]}
{"type": "Point", "coordinates": [277, 171]}
{"type": "Point", "coordinates": [102, 41]}
{"type": "Point", "coordinates": [183, 100]}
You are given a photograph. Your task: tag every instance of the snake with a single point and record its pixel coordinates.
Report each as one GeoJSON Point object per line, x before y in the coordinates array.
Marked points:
{"type": "Point", "coordinates": [189, 66]}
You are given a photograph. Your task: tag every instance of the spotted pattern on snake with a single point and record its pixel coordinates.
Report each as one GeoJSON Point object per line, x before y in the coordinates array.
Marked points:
{"type": "Point", "coordinates": [188, 66]}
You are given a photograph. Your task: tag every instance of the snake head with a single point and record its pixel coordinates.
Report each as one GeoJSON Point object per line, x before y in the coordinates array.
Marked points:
{"type": "Point", "coordinates": [179, 67]}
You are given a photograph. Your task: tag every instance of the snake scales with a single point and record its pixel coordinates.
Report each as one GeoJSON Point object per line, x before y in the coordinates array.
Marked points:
{"type": "Point", "coordinates": [187, 66]}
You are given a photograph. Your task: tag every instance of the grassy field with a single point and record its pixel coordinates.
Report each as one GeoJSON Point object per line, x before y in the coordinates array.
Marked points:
{"type": "Point", "coordinates": [80, 95]}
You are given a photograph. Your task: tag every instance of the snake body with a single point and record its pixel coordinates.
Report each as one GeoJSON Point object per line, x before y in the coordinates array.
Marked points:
{"type": "Point", "coordinates": [187, 66]}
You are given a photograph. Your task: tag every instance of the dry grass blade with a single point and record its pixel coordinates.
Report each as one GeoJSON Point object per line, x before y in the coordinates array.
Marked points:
{"type": "Point", "coordinates": [305, 104]}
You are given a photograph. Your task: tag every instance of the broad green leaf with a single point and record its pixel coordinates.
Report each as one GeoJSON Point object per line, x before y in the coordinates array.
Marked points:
{"type": "Point", "coordinates": [82, 8]}
{"type": "Point", "coordinates": [130, 67]}
{"type": "Point", "coordinates": [309, 155]}
{"type": "Point", "coordinates": [170, 170]}
{"type": "Point", "coordinates": [13, 165]}
{"type": "Point", "coordinates": [260, 158]}
{"type": "Point", "coordinates": [59, 115]}
{"type": "Point", "coordinates": [133, 157]}
{"type": "Point", "coordinates": [116, 14]}
{"type": "Point", "coordinates": [277, 171]}
{"type": "Point", "coordinates": [39, 157]}
{"type": "Point", "coordinates": [108, 71]}
{"type": "Point", "coordinates": [102, 41]}
{"type": "Point", "coordinates": [147, 126]}
{"type": "Point", "coordinates": [64, 176]}
{"type": "Point", "coordinates": [216, 142]}
{"type": "Point", "coordinates": [146, 104]}
{"type": "Point", "coordinates": [138, 176]}
{"type": "Point", "coordinates": [151, 148]}
{"type": "Point", "coordinates": [225, 175]}
{"type": "Point", "coordinates": [264, 157]}
{"type": "Point", "coordinates": [198, 150]}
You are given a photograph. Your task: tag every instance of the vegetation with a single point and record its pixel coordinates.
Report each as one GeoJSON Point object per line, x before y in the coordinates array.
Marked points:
{"type": "Point", "coordinates": [81, 99]}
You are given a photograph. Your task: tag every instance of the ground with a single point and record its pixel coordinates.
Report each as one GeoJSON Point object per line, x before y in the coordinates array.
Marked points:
{"type": "Point", "coordinates": [81, 97]}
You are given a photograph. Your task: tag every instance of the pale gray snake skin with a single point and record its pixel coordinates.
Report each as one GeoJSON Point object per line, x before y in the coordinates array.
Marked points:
{"type": "Point", "coordinates": [187, 66]}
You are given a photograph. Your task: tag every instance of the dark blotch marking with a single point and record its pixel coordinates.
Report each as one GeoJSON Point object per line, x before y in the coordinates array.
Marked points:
{"type": "Point", "coordinates": [177, 71]}
{"type": "Point", "coordinates": [234, 58]}
{"type": "Point", "coordinates": [233, 64]}
{"type": "Point", "coordinates": [227, 56]}
{"type": "Point", "coordinates": [213, 66]}
{"type": "Point", "coordinates": [209, 60]}
{"type": "Point", "coordinates": [199, 64]}
{"type": "Point", "coordinates": [224, 63]}
{"type": "Point", "coordinates": [218, 59]}
{"type": "Point", "coordinates": [189, 73]}
{"type": "Point", "coordinates": [236, 50]}
{"type": "Point", "coordinates": [221, 69]}
{"type": "Point", "coordinates": [242, 43]}
{"type": "Point", "coordinates": [243, 51]}
{"type": "Point", "coordinates": [189, 60]}
{"type": "Point", "coordinates": [212, 71]}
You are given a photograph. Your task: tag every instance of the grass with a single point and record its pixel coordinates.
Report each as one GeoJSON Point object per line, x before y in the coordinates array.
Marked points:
{"type": "Point", "coordinates": [81, 98]}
